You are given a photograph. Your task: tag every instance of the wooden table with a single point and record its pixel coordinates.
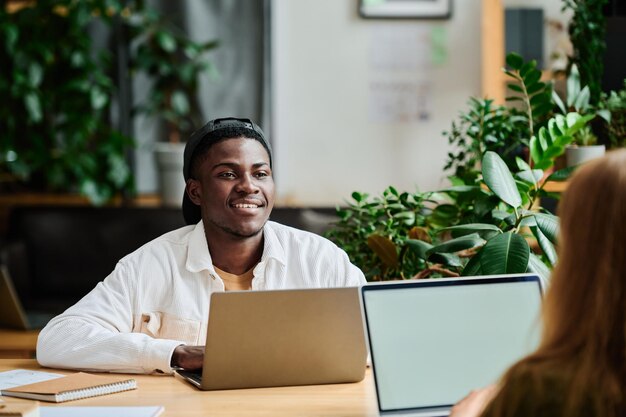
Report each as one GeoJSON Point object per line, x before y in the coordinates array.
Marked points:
{"type": "Point", "coordinates": [18, 343]}
{"type": "Point", "coordinates": [181, 399]}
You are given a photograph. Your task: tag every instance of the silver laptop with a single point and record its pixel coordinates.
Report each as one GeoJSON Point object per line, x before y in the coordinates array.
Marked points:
{"type": "Point", "coordinates": [12, 314]}
{"type": "Point", "coordinates": [284, 337]}
{"type": "Point", "coordinates": [433, 341]}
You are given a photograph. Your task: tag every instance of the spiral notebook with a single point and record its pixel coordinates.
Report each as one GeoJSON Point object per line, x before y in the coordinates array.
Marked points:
{"type": "Point", "coordinates": [71, 387]}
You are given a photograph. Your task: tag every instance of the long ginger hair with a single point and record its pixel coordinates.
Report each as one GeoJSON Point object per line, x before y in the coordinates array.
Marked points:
{"type": "Point", "coordinates": [583, 343]}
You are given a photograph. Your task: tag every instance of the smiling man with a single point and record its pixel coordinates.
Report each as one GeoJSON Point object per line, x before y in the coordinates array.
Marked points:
{"type": "Point", "coordinates": [150, 314]}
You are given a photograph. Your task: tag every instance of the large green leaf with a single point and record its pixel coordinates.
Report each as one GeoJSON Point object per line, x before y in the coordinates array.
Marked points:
{"type": "Point", "coordinates": [507, 253]}
{"type": "Point", "coordinates": [473, 267]}
{"type": "Point", "coordinates": [458, 244]}
{"type": "Point", "coordinates": [535, 265]}
{"type": "Point", "coordinates": [499, 179]}
{"type": "Point", "coordinates": [549, 225]}
{"type": "Point", "coordinates": [406, 217]}
{"type": "Point", "coordinates": [562, 174]}
{"type": "Point", "coordinates": [460, 189]}
{"type": "Point", "coordinates": [549, 143]}
{"type": "Point", "coordinates": [545, 245]}
{"type": "Point", "coordinates": [559, 102]}
{"type": "Point", "coordinates": [582, 100]}
{"type": "Point", "coordinates": [484, 230]}
{"type": "Point", "coordinates": [446, 259]}
{"type": "Point", "coordinates": [573, 85]}
{"type": "Point", "coordinates": [532, 176]}
{"type": "Point", "coordinates": [418, 247]}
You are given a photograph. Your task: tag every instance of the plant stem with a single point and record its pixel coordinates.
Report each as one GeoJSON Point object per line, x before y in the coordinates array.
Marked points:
{"type": "Point", "coordinates": [529, 110]}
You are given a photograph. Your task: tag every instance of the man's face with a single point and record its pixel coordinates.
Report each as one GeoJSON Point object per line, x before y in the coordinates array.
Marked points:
{"type": "Point", "coordinates": [234, 188]}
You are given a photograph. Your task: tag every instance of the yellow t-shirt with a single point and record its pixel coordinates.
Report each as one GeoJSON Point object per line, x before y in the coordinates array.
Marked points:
{"type": "Point", "coordinates": [234, 282]}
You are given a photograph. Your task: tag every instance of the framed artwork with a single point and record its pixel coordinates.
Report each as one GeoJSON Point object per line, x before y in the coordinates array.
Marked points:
{"type": "Point", "coordinates": [405, 9]}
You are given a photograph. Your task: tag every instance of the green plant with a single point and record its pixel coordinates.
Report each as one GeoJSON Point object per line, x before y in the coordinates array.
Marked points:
{"type": "Point", "coordinates": [577, 100]}
{"type": "Point", "coordinates": [587, 31]}
{"type": "Point", "coordinates": [510, 212]}
{"type": "Point", "coordinates": [54, 128]}
{"type": "Point", "coordinates": [374, 232]}
{"type": "Point", "coordinates": [534, 96]}
{"type": "Point", "coordinates": [506, 130]}
{"type": "Point", "coordinates": [399, 236]}
{"type": "Point", "coordinates": [615, 104]}
{"type": "Point", "coordinates": [174, 63]}
{"type": "Point", "coordinates": [550, 136]}
{"type": "Point", "coordinates": [485, 127]}
{"type": "Point", "coordinates": [504, 248]}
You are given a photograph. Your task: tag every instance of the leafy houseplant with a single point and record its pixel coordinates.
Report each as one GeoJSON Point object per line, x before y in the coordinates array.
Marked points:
{"type": "Point", "coordinates": [485, 127]}
{"type": "Point", "coordinates": [372, 229]}
{"type": "Point", "coordinates": [615, 104]}
{"type": "Point", "coordinates": [174, 62]}
{"type": "Point", "coordinates": [54, 132]}
{"type": "Point", "coordinates": [587, 31]}
{"type": "Point", "coordinates": [480, 224]}
{"type": "Point", "coordinates": [584, 146]}
{"type": "Point", "coordinates": [503, 129]}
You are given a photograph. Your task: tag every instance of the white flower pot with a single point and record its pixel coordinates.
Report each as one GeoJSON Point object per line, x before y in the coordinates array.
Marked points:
{"type": "Point", "coordinates": [169, 158]}
{"type": "Point", "coordinates": [577, 155]}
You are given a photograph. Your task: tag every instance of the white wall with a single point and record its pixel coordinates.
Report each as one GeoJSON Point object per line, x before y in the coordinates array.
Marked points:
{"type": "Point", "coordinates": [326, 145]}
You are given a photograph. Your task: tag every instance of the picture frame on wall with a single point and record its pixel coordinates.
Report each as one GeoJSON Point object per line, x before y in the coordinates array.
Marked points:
{"type": "Point", "coordinates": [405, 9]}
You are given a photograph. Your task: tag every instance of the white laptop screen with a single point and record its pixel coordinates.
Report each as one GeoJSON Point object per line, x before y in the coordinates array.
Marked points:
{"type": "Point", "coordinates": [434, 341]}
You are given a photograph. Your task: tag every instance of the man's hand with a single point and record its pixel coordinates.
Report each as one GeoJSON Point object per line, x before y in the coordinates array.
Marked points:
{"type": "Point", "coordinates": [474, 404]}
{"type": "Point", "coordinates": [188, 357]}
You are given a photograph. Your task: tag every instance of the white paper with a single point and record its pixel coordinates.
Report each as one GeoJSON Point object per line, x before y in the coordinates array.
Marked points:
{"type": "Point", "coordinates": [399, 101]}
{"type": "Point", "coordinates": [17, 377]}
{"type": "Point", "coordinates": [62, 411]}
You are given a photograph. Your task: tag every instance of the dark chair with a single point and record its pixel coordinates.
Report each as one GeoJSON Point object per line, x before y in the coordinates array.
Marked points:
{"type": "Point", "coordinates": [57, 254]}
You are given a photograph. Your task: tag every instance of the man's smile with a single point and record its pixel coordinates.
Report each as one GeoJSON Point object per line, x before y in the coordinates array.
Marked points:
{"type": "Point", "coordinates": [247, 204]}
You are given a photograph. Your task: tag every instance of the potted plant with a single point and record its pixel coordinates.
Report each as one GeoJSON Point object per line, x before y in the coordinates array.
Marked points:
{"type": "Point", "coordinates": [374, 232]}
{"type": "Point", "coordinates": [584, 146]}
{"type": "Point", "coordinates": [54, 129]}
{"type": "Point", "coordinates": [587, 31]}
{"type": "Point", "coordinates": [615, 104]}
{"type": "Point", "coordinates": [482, 223]}
{"type": "Point", "coordinates": [174, 64]}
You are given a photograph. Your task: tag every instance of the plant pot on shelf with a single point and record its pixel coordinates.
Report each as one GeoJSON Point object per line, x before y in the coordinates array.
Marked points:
{"type": "Point", "coordinates": [577, 155]}
{"type": "Point", "coordinates": [169, 158]}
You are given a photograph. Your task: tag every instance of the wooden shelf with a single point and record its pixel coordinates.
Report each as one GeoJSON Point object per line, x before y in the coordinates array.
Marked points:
{"type": "Point", "coordinates": [556, 187]}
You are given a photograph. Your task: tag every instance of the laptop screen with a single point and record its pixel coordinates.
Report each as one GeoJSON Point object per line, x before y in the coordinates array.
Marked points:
{"type": "Point", "coordinates": [433, 341]}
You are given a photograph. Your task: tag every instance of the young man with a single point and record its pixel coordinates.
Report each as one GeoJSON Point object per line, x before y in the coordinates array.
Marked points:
{"type": "Point", "coordinates": [150, 314]}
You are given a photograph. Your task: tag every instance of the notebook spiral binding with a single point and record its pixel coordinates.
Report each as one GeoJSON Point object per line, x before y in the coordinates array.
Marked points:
{"type": "Point", "coordinates": [96, 391]}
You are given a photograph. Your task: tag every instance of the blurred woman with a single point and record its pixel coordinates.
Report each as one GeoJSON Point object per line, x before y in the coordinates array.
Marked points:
{"type": "Point", "coordinates": [579, 368]}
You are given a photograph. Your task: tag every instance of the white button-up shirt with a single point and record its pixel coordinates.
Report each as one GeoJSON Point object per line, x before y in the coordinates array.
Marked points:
{"type": "Point", "coordinates": [158, 298]}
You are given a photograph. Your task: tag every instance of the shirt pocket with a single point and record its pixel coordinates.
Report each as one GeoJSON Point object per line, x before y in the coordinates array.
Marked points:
{"type": "Point", "coordinates": [166, 326]}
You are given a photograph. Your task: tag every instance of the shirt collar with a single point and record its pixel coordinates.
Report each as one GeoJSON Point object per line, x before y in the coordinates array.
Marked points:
{"type": "Point", "coordinates": [199, 258]}
{"type": "Point", "coordinates": [272, 247]}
